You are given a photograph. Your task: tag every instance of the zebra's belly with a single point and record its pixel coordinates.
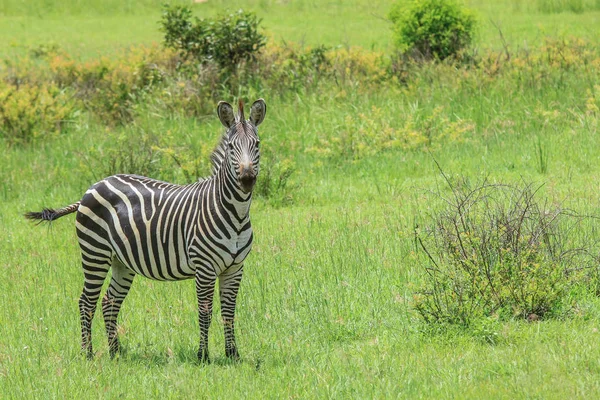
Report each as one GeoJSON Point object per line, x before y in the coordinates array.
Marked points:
{"type": "Point", "coordinates": [161, 256]}
{"type": "Point", "coordinates": [160, 264]}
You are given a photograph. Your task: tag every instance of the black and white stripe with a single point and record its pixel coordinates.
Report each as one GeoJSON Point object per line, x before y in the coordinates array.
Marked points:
{"type": "Point", "coordinates": [140, 226]}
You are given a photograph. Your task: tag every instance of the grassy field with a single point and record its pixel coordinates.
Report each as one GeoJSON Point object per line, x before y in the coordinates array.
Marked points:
{"type": "Point", "coordinates": [325, 307]}
{"type": "Point", "coordinates": [87, 29]}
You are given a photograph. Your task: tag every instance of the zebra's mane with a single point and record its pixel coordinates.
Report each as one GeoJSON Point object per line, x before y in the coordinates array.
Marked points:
{"type": "Point", "coordinates": [218, 154]}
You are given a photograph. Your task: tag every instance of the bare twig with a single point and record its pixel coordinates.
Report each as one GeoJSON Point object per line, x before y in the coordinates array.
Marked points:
{"type": "Point", "coordinates": [504, 44]}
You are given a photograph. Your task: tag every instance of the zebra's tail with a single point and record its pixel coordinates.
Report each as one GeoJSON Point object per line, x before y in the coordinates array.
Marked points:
{"type": "Point", "coordinates": [49, 214]}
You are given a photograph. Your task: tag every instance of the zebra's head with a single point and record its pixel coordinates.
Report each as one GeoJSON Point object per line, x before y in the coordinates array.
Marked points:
{"type": "Point", "coordinates": [242, 150]}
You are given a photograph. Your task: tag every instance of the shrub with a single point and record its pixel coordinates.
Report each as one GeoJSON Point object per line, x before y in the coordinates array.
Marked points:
{"type": "Point", "coordinates": [227, 40]}
{"type": "Point", "coordinates": [432, 29]}
{"type": "Point", "coordinates": [291, 67]}
{"type": "Point", "coordinates": [192, 96]}
{"type": "Point", "coordinates": [111, 88]}
{"type": "Point", "coordinates": [29, 112]}
{"type": "Point", "coordinates": [370, 133]}
{"type": "Point", "coordinates": [496, 250]}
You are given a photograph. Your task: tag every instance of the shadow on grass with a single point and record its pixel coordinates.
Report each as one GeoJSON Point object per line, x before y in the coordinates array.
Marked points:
{"type": "Point", "coordinates": [180, 355]}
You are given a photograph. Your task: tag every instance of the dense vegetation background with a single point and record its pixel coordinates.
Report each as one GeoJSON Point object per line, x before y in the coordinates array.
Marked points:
{"type": "Point", "coordinates": [349, 194]}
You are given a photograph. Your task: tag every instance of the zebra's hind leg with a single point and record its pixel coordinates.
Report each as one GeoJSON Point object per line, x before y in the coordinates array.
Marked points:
{"type": "Point", "coordinates": [119, 286]}
{"type": "Point", "coordinates": [205, 288]}
{"type": "Point", "coordinates": [229, 284]}
{"type": "Point", "coordinates": [94, 270]}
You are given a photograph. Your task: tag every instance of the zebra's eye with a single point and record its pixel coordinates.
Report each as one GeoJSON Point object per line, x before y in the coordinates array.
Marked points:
{"type": "Point", "coordinates": [230, 145]}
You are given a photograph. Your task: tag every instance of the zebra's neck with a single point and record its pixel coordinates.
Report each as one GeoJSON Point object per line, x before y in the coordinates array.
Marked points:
{"type": "Point", "coordinates": [231, 194]}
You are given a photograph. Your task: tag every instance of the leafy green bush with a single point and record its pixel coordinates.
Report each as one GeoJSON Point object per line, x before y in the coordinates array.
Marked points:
{"type": "Point", "coordinates": [227, 40]}
{"type": "Point", "coordinates": [432, 29]}
{"type": "Point", "coordinates": [111, 88]}
{"type": "Point", "coordinates": [496, 250]}
{"type": "Point", "coordinates": [30, 112]}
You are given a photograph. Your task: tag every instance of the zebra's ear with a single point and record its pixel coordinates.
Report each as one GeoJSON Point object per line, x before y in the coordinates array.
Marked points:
{"type": "Point", "coordinates": [225, 113]}
{"type": "Point", "coordinates": [258, 111]}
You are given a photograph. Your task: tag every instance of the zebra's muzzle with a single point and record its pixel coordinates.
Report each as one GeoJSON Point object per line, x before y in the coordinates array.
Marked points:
{"type": "Point", "coordinates": [247, 180]}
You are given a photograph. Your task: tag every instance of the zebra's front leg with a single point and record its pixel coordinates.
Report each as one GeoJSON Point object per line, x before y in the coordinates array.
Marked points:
{"type": "Point", "coordinates": [119, 286]}
{"type": "Point", "coordinates": [205, 288]}
{"type": "Point", "coordinates": [229, 284]}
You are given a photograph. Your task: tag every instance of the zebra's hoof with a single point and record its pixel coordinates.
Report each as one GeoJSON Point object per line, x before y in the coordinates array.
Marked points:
{"type": "Point", "coordinates": [203, 356]}
{"type": "Point", "coordinates": [113, 353]}
{"type": "Point", "coordinates": [89, 353]}
{"type": "Point", "coordinates": [114, 348]}
{"type": "Point", "coordinates": [232, 354]}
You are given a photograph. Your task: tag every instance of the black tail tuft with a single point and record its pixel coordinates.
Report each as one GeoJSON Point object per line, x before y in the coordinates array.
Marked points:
{"type": "Point", "coordinates": [47, 214]}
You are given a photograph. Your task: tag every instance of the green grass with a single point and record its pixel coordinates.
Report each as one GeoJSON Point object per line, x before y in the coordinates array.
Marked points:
{"type": "Point", "coordinates": [87, 29]}
{"type": "Point", "coordinates": [324, 307]}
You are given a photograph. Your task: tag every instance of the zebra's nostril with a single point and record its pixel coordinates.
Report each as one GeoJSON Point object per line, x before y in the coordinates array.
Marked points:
{"type": "Point", "coordinates": [248, 179]}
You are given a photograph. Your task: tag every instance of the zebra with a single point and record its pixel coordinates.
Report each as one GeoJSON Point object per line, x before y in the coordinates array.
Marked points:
{"type": "Point", "coordinates": [141, 226]}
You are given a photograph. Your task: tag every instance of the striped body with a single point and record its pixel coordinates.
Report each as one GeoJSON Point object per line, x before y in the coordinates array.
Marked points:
{"type": "Point", "coordinates": [135, 225]}
{"type": "Point", "coordinates": [174, 228]}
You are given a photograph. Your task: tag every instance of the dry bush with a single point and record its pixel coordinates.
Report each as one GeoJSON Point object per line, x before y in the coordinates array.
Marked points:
{"type": "Point", "coordinates": [499, 250]}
